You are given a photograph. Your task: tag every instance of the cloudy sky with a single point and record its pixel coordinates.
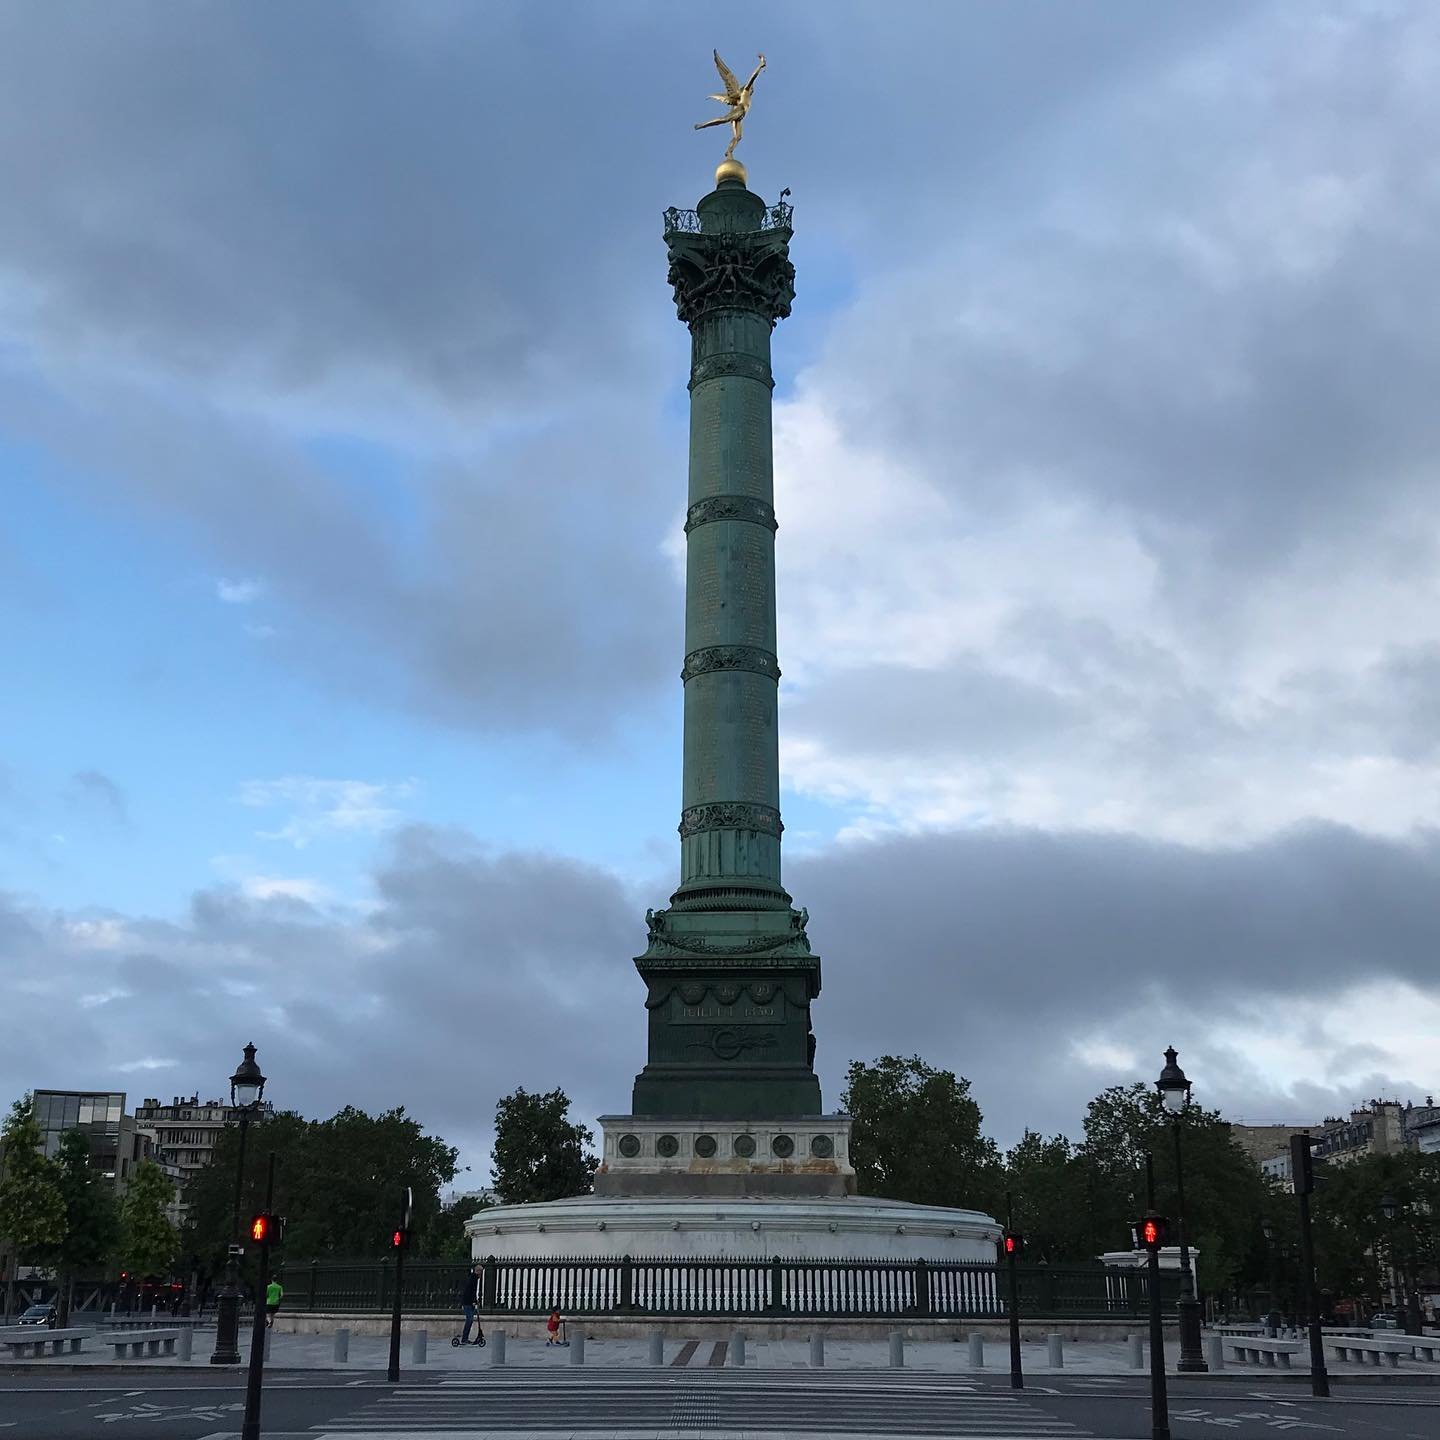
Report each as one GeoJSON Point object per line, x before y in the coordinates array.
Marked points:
{"type": "Point", "coordinates": [342, 444]}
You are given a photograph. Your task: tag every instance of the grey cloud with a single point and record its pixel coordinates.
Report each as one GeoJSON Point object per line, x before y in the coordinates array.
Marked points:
{"type": "Point", "coordinates": [482, 969]}
{"type": "Point", "coordinates": [964, 709]}
{"type": "Point", "coordinates": [1243, 382]}
{"type": "Point", "coordinates": [469, 206]}
{"type": "Point", "coordinates": [438, 232]}
{"type": "Point", "coordinates": [992, 951]}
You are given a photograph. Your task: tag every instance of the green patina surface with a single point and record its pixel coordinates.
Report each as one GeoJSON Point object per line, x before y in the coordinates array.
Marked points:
{"type": "Point", "coordinates": [729, 969]}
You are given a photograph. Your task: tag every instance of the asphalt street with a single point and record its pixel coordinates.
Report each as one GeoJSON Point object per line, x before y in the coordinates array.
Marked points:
{"type": "Point", "coordinates": [697, 1404]}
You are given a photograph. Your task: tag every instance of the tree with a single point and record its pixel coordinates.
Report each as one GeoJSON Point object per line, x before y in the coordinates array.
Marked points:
{"type": "Point", "coordinates": [92, 1221]}
{"type": "Point", "coordinates": [916, 1135]}
{"type": "Point", "coordinates": [539, 1154]}
{"type": "Point", "coordinates": [148, 1241]}
{"type": "Point", "coordinates": [446, 1238]}
{"type": "Point", "coordinates": [32, 1209]}
{"type": "Point", "coordinates": [337, 1182]}
{"type": "Point", "coordinates": [1356, 1245]}
{"type": "Point", "coordinates": [1044, 1178]}
{"type": "Point", "coordinates": [1224, 1190]}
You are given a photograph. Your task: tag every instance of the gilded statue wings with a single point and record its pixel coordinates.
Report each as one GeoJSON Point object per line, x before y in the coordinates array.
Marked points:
{"type": "Point", "coordinates": [728, 80]}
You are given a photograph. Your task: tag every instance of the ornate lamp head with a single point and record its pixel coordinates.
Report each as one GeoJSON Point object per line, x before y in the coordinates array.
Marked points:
{"type": "Point", "coordinates": [247, 1084]}
{"type": "Point", "coordinates": [1174, 1088]}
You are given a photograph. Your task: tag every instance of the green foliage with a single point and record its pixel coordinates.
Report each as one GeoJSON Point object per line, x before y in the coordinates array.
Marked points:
{"type": "Point", "coordinates": [1355, 1245]}
{"type": "Point", "coordinates": [1044, 1179]}
{"type": "Point", "coordinates": [446, 1239]}
{"type": "Point", "coordinates": [32, 1207]}
{"type": "Point", "coordinates": [539, 1154]}
{"type": "Point", "coordinates": [1075, 1202]}
{"type": "Point", "coordinates": [1224, 1190]}
{"type": "Point", "coordinates": [916, 1135]}
{"type": "Point", "coordinates": [337, 1182]}
{"type": "Point", "coordinates": [92, 1218]}
{"type": "Point", "coordinates": [147, 1238]}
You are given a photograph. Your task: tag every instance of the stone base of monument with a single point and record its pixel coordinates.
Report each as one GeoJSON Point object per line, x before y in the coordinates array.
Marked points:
{"type": "Point", "coordinates": [675, 1188]}
{"type": "Point", "coordinates": [797, 1157]}
{"type": "Point", "coordinates": [842, 1227]}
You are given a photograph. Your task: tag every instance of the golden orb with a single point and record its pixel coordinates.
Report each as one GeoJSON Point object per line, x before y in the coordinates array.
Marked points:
{"type": "Point", "coordinates": [730, 169]}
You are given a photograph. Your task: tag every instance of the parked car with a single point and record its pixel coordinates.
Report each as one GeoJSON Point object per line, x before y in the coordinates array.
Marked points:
{"type": "Point", "coordinates": [1384, 1321]}
{"type": "Point", "coordinates": [38, 1315]}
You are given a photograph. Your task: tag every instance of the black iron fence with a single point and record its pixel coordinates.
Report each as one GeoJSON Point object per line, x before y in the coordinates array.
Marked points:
{"type": "Point", "coordinates": [833, 1288]}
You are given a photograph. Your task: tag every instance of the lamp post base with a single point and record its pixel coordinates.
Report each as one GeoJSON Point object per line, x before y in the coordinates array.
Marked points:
{"type": "Point", "coordinates": [1192, 1356]}
{"type": "Point", "coordinates": [227, 1330]}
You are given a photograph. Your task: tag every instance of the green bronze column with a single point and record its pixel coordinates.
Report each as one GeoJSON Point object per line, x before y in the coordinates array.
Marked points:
{"type": "Point", "coordinates": [729, 968]}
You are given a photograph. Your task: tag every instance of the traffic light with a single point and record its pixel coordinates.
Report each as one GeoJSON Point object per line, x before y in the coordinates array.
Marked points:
{"type": "Point", "coordinates": [398, 1239]}
{"type": "Point", "coordinates": [1151, 1231]}
{"type": "Point", "coordinates": [1013, 1243]}
{"type": "Point", "coordinates": [266, 1229]}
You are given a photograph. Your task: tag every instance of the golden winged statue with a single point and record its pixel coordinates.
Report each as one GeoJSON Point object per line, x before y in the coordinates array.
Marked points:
{"type": "Point", "coordinates": [737, 97]}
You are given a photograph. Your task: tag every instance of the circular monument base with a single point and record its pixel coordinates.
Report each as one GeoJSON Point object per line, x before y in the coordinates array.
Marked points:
{"type": "Point", "coordinates": [848, 1227]}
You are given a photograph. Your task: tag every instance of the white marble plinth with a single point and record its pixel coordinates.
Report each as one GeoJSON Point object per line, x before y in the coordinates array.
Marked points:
{"type": "Point", "coordinates": [1139, 1259]}
{"type": "Point", "coordinates": [845, 1227]}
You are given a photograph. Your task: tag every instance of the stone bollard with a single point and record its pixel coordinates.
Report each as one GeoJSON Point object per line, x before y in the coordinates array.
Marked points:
{"type": "Point", "coordinates": [1055, 1356]}
{"type": "Point", "coordinates": [420, 1345]}
{"type": "Point", "coordinates": [817, 1350]}
{"type": "Point", "coordinates": [657, 1348]}
{"type": "Point", "coordinates": [497, 1348]}
{"type": "Point", "coordinates": [897, 1350]}
{"type": "Point", "coordinates": [737, 1348]}
{"type": "Point", "coordinates": [977, 1350]}
{"type": "Point", "coordinates": [342, 1346]}
{"type": "Point", "coordinates": [577, 1348]}
{"type": "Point", "coordinates": [186, 1348]}
{"type": "Point", "coordinates": [1215, 1352]}
{"type": "Point", "coordinates": [1137, 1352]}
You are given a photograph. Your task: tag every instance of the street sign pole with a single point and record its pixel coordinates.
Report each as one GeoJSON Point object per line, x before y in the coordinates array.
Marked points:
{"type": "Point", "coordinates": [1303, 1174]}
{"type": "Point", "coordinates": [402, 1235]}
{"type": "Point", "coordinates": [250, 1428]}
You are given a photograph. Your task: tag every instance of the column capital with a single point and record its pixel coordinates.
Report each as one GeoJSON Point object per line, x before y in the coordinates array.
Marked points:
{"type": "Point", "coordinates": [750, 271]}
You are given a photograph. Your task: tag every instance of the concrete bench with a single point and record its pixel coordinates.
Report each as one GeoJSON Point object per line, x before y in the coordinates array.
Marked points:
{"type": "Point", "coordinates": [1256, 1349]}
{"type": "Point", "coordinates": [1361, 1348]}
{"type": "Point", "coordinates": [37, 1337]}
{"type": "Point", "coordinates": [152, 1340]}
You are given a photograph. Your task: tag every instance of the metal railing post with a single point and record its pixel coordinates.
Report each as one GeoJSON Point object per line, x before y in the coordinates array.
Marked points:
{"type": "Point", "coordinates": [922, 1288]}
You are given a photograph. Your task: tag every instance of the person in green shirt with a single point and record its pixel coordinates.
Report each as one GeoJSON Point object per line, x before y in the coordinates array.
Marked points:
{"type": "Point", "coordinates": [273, 1292]}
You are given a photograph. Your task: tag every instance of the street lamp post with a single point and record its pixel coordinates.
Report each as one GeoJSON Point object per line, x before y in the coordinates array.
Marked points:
{"type": "Point", "coordinates": [247, 1086]}
{"type": "Point", "coordinates": [1400, 1289]}
{"type": "Point", "coordinates": [1390, 1208]}
{"type": "Point", "coordinates": [1268, 1231]}
{"type": "Point", "coordinates": [1174, 1091]}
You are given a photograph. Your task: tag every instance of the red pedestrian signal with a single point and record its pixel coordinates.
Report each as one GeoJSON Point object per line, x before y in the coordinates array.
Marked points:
{"type": "Point", "coordinates": [397, 1240]}
{"type": "Point", "coordinates": [267, 1229]}
{"type": "Point", "coordinates": [1014, 1244]}
{"type": "Point", "coordinates": [1151, 1232]}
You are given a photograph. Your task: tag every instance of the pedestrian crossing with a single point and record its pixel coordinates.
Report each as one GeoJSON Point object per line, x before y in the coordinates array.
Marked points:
{"type": "Point", "coordinates": [695, 1404]}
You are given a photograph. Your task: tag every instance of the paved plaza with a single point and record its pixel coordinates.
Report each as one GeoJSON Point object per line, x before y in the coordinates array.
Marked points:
{"type": "Point", "coordinates": [370, 1353]}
